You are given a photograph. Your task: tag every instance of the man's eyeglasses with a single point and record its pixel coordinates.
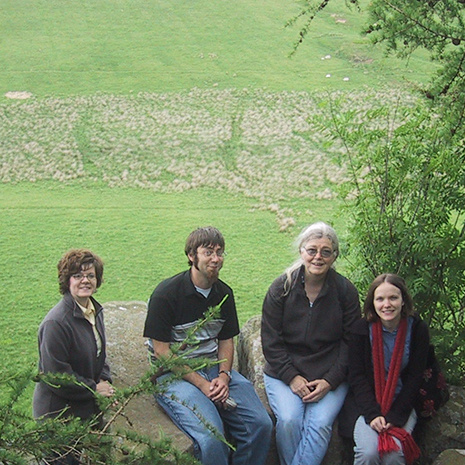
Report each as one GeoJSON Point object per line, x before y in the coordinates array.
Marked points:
{"type": "Point", "coordinates": [81, 276]}
{"type": "Point", "coordinates": [209, 253]}
{"type": "Point", "coordinates": [325, 253]}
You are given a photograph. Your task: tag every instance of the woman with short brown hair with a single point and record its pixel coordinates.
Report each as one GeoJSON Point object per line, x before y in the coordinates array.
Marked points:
{"type": "Point", "coordinates": [72, 342]}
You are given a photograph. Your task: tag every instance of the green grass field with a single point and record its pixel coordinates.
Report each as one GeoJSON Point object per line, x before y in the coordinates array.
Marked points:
{"type": "Point", "coordinates": [139, 234]}
{"type": "Point", "coordinates": [79, 47]}
{"type": "Point", "coordinates": [131, 177]}
{"type": "Point", "coordinates": [147, 120]}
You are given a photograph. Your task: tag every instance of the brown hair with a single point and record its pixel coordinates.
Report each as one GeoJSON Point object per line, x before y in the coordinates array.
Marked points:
{"type": "Point", "coordinates": [202, 237]}
{"type": "Point", "coordinates": [74, 261]}
{"type": "Point", "coordinates": [369, 308]}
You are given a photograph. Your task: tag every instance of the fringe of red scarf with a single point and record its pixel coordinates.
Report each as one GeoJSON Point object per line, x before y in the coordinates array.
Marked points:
{"type": "Point", "coordinates": [385, 391]}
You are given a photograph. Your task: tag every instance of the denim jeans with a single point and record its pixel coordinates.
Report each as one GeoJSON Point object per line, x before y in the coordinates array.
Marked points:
{"type": "Point", "coordinates": [249, 425]}
{"type": "Point", "coordinates": [303, 430]}
{"type": "Point", "coordinates": [366, 444]}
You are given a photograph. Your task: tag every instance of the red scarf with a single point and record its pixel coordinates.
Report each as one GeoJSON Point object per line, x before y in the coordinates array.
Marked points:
{"type": "Point", "coordinates": [385, 391]}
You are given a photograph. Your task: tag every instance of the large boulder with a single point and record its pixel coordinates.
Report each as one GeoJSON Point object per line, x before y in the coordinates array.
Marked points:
{"type": "Point", "coordinates": [451, 457]}
{"type": "Point", "coordinates": [445, 431]}
{"type": "Point", "coordinates": [128, 359]}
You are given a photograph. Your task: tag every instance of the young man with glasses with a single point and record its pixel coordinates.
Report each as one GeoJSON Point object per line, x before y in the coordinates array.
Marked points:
{"type": "Point", "coordinates": [222, 397]}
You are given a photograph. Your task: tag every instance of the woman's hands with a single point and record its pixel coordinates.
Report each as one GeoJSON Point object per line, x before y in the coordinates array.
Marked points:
{"type": "Point", "coordinates": [104, 388]}
{"type": "Point", "coordinates": [309, 391]}
{"type": "Point", "coordinates": [379, 424]}
{"type": "Point", "coordinates": [299, 387]}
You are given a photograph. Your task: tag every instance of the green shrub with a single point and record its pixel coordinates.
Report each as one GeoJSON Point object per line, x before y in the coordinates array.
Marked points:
{"type": "Point", "coordinates": [406, 211]}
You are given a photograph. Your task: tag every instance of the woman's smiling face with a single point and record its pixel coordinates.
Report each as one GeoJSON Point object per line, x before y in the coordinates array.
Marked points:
{"type": "Point", "coordinates": [318, 256]}
{"type": "Point", "coordinates": [388, 303]}
{"type": "Point", "coordinates": [83, 284]}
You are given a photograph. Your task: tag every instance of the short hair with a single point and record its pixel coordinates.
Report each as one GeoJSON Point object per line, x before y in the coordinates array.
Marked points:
{"type": "Point", "coordinates": [74, 261]}
{"type": "Point", "coordinates": [368, 306]}
{"type": "Point", "coordinates": [202, 237]}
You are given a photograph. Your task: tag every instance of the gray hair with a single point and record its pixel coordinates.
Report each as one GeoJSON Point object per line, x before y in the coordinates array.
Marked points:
{"type": "Point", "coordinates": [317, 230]}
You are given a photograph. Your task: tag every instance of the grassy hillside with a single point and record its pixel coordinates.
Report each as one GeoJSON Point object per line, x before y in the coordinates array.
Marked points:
{"type": "Point", "coordinates": [79, 47]}
{"type": "Point", "coordinates": [148, 119]}
{"type": "Point", "coordinates": [140, 235]}
{"type": "Point", "coordinates": [130, 177]}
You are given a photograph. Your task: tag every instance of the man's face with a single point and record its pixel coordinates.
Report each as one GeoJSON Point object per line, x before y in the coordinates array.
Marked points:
{"type": "Point", "coordinates": [208, 261]}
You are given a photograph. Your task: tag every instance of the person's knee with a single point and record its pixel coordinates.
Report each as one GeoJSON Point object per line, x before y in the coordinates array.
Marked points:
{"type": "Point", "coordinates": [323, 431]}
{"type": "Point", "coordinates": [367, 456]}
{"type": "Point", "coordinates": [320, 423]}
{"type": "Point", "coordinates": [289, 423]}
{"type": "Point", "coordinates": [210, 446]}
{"type": "Point", "coordinates": [264, 425]}
{"type": "Point", "coordinates": [394, 458]}
{"type": "Point", "coordinates": [259, 428]}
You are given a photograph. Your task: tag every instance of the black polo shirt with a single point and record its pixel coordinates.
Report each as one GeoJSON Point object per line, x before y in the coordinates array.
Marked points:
{"type": "Point", "coordinates": [176, 306]}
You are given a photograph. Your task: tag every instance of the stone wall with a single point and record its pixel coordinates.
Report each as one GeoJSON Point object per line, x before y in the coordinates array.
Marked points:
{"type": "Point", "coordinates": [127, 356]}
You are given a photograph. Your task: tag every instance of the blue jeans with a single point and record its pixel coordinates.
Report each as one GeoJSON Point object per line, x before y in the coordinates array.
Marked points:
{"type": "Point", "coordinates": [303, 430]}
{"type": "Point", "coordinates": [366, 444]}
{"type": "Point", "coordinates": [249, 425]}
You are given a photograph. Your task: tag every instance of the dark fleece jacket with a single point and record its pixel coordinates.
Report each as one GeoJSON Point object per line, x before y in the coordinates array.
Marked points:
{"type": "Point", "coordinates": [361, 374]}
{"type": "Point", "coordinates": [67, 345]}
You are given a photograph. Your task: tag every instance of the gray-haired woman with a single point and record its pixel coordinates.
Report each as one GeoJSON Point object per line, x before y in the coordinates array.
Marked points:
{"type": "Point", "coordinates": [307, 314]}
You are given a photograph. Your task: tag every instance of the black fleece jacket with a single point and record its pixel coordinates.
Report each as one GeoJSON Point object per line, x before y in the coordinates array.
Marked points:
{"type": "Point", "coordinates": [299, 339]}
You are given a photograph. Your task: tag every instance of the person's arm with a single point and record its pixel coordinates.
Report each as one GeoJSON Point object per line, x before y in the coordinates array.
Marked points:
{"type": "Point", "coordinates": [350, 303]}
{"type": "Point", "coordinates": [104, 385]}
{"type": "Point", "coordinates": [361, 376]}
{"type": "Point", "coordinates": [225, 354]}
{"type": "Point", "coordinates": [273, 345]}
{"type": "Point", "coordinates": [105, 375]}
{"type": "Point", "coordinates": [219, 387]}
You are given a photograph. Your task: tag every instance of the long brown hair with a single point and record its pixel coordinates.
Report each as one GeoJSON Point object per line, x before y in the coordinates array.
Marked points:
{"type": "Point", "coordinates": [369, 308]}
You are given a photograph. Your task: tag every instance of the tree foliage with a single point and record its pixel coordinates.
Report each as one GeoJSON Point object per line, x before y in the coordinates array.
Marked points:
{"type": "Point", "coordinates": [407, 169]}
{"type": "Point", "coordinates": [24, 441]}
{"type": "Point", "coordinates": [406, 203]}
{"type": "Point", "coordinates": [98, 440]}
{"type": "Point", "coordinates": [404, 26]}
{"type": "Point", "coordinates": [437, 26]}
